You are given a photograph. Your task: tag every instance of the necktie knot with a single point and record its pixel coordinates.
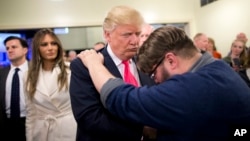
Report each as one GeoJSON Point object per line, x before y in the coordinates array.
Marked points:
{"type": "Point", "coordinates": [16, 70]}
{"type": "Point", "coordinates": [126, 63]}
{"type": "Point", "coordinates": [128, 76]}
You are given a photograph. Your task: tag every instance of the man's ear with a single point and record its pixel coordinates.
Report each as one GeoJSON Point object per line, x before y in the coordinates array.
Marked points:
{"type": "Point", "coordinates": [171, 60]}
{"type": "Point", "coordinates": [107, 36]}
{"type": "Point", "coordinates": [26, 50]}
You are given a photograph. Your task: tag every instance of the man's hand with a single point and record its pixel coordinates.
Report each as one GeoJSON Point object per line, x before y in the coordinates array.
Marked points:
{"type": "Point", "coordinates": [94, 62]}
{"type": "Point", "coordinates": [91, 57]}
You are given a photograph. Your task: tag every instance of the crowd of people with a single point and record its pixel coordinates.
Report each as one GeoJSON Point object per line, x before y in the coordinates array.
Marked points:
{"type": "Point", "coordinates": [141, 84]}
{"type": "Point", "coordinates": [237, 56]}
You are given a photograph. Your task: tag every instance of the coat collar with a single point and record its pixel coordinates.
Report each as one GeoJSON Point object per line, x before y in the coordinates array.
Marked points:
{"type": "Point", "coordinates": [47, 81]}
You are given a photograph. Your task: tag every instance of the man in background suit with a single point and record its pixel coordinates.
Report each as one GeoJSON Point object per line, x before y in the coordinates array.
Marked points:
{"type": "Point", "coordinates": [122, 28]}
{"type": "Point", "coordinates": [13, 128]}
{"type": "Point", "coordinates": [201, 41]}
{"type": "Point", "coordinates": [99, 45]}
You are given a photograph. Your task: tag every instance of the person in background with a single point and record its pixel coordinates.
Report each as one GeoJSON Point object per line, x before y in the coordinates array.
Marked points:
{"type": "Point", "coordinates": [245, 72]}
{"type": "Point", "coordinates": [195, 99]}
{"type": "Point", "coordinates": [122, 27]}
{"type": "Point", "coordinates": [49, 113]}
{"type": "Point", "coordinates": [13, 125]}
{"type": "Point", "coordinates": [211, 48]}
{"type": "Point", "coordinates": [99, 45]}
{"type": "Point", "coordinates": [201, 41]}
{"type": "Point", "coordinates": [71, 55]}
{"type": "Point", "coordinates": [242, 36]}
{"type": "Point", "coordinates": [65, 58]}
{"type": "Point", "coordinates": [147, 29]}
{"type": "Point", "coordinates": [237, 55]}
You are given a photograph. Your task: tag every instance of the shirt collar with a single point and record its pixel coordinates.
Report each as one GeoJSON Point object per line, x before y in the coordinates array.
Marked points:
{"type": "Point", "coordinates": [205, 59]}
{"type": "Point", "coordinates": [116, 60]}
{"type": "Point", "coordinates": [22, 67]}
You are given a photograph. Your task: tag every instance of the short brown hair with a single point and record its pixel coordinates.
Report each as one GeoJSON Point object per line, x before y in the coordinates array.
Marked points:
{"type": "Point", "coordinates": [161, 41]}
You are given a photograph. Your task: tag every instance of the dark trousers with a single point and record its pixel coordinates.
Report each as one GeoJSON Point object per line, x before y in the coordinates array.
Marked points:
{"type": "Point", "coordinates": [15, 129]}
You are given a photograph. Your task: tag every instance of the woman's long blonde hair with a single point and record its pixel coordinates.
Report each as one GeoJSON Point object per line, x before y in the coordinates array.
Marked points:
{"type": "Point", "coordinates": [36, 61]}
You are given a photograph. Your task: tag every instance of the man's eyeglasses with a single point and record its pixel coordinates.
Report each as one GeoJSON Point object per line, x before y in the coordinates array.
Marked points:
{"type": "Point", "coordinates": [152, 74]}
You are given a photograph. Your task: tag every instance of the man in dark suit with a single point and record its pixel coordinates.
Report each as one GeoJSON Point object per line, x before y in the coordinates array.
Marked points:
{"type": "Point", "coordinates": [122, 27]}
{"type": "Point", "coordinates": [13, 128]}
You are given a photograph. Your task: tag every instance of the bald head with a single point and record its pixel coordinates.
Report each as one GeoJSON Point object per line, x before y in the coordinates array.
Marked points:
{"type": "Point", "coordinates": [242, 36]}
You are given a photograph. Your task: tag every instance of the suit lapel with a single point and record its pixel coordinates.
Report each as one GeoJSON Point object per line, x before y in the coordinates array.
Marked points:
{"type": "Point", "coordinates": [109, 63]}
{"type": "Point", "coordinates": [4, 73]}
{"type": "Point", "coordinates": [144, 79]}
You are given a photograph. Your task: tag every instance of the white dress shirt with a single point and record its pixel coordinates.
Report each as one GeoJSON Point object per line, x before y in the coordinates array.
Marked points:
{"type": "Point", "coordinates": [121, 66]}
{"type": "Point", "coordinates": [23, 68]}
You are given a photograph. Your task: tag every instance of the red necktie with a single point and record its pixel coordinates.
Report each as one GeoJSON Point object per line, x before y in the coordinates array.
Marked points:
{"type": "Point", "coordinates": [128, 76]}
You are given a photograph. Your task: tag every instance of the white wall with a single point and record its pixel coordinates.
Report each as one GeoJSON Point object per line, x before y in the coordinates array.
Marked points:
{"type": "Point", "coordinates": [23, 14]}
{"type": "Point", "coordinates": [81, 37]}
{"type": "Point", "coordinates": [223, 20]}
{"type": "Point", "coordinates": [60, 13]}
{"type": "Point", "coordinates": [75, 39]}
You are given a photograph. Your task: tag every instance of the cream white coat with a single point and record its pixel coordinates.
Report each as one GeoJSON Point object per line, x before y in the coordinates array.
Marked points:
{"type": "Point", "coordinates": [49, 114]}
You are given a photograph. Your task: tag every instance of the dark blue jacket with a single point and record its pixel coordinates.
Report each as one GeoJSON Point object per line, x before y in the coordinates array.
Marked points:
{"type": "Point", "coordinates": [207, 105]}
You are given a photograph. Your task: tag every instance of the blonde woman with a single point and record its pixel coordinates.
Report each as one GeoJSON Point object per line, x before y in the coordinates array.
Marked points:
{"type": "Point", "coordinates": [237, 55]}
{"type": "Point", "coordinates": [49, 114]}
{"type": "Point", "coordinates": [245, 73]}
